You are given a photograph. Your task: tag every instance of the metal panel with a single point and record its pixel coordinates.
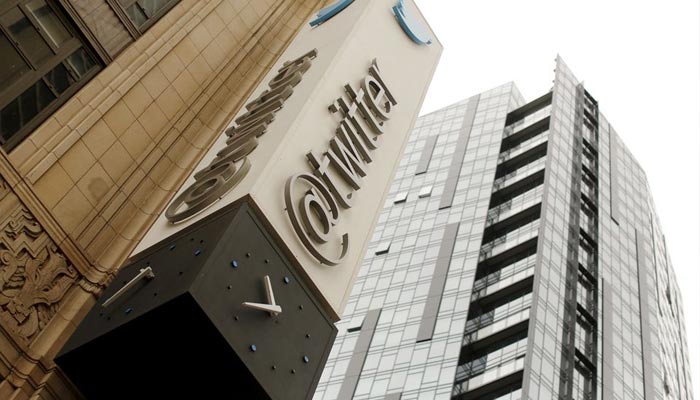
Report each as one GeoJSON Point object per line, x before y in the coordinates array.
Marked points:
{"type": "Point", "coordinates": [608, 335]}
{"type": "Point", "coordinates": [647, 350]}
{"type": "Point", "coordinates": [614, 178]}
{"type": "Point", "coordinates": [393, 396]}
{"type": "Point", "coordinates": [437, 284]}
{"type": "Point", "coordinates": [426, 155]}
{"type": "Point", "coordinates": [448, 192]}
{"type": "Point", "coordinates": [359, 354]}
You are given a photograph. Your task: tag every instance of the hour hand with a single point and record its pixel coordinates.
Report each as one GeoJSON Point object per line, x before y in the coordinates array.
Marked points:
{"type": "Point", "coordinates": [273, 309]}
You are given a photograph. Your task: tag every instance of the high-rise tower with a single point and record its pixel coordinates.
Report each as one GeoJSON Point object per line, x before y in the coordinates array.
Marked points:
{"type": "Point", "coordinates": [518, 256]}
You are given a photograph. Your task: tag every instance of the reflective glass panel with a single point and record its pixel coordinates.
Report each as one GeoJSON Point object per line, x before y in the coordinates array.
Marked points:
{"type": "Point", "coordinates": [151, 7]}
{"type": "Point", "coordinates": [11, 64]}
{"type": "Point", "coordinates": [28, 37]}
{"type": "Point", "coordinates": [25, 107]}
{"type": "Point", "coordinates": [49, 22]}
{"type": "Point", "coordinates": [136, 15]}
{"type": "Point", "coordinates": [80, 62]}
{"type": "Point", "coordinates": [59, 78]}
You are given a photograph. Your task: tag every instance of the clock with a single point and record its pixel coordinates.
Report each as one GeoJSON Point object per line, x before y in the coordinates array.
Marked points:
{"type": "Point", "coordinates": [215, 311]}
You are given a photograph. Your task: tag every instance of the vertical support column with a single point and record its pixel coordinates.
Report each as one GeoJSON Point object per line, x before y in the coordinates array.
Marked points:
{"type": "Point", "coordinates": [607, 364]}
{"type": "Point", "coordinates": [614, 177]}
{"type": "Point", "coordinates": [647, 356]}
{"type": "Point", "coordinates": [359, 354]}
{"type": "Point", "coordinates": [579, 354]}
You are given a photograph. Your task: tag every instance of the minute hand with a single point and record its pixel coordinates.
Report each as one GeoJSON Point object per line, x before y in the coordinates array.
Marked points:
{"type": "Point", "coordinates": [271, 307]}
{"type": "Point", "coordinates": [268, 290]}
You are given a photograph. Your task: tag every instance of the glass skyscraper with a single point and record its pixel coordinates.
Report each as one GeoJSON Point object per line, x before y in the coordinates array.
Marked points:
{"type": "Point", "coordinates": [518, 256]}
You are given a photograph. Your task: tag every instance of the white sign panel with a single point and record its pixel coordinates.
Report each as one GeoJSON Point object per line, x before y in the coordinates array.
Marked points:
{"type": "Point", "coordinates": [317, 145]}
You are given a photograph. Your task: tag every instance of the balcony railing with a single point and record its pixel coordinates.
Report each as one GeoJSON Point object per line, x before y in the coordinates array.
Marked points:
{"type": "Point", "coordinates": [519, 174]}
{"type": "Point", "coordinates": [523, 147]}
{"type": "Point", "coordinates": [500, 371]}
{"type": "Point", "coordinates": [527, 121]}
{"type": "Point", "coordinates": [509, 240]}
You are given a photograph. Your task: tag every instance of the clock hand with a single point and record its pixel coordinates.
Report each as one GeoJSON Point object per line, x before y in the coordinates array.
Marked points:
{"type": "Point", "coordinates": [271, 308]}
{"type": "Point", "coordinates": [268, 290]}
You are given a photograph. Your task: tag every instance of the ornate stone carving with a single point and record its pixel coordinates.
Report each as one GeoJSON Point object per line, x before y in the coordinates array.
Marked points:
{"type": "Point", "coordinates": [4, 188]}
{"type": "Point", "coordinates": [34, 274]}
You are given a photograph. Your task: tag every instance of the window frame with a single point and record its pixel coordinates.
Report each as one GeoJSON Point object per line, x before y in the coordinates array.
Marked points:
{"type": "Point", "coordinates": [38, 71]}
{"type": "Point", "coordinates": [123, 14]}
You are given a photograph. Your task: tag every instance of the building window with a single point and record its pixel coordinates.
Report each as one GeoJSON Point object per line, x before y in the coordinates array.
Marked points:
{"type": "Point", "coordinates": [144, 13]}
{"type": "Point", "coordinates": [42, 64]}
{"type": "Point", "coordinates": [425, 191]}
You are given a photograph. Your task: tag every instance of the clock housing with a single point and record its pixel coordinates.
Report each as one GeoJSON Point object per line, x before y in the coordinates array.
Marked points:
{"type": "Point", "coordinates": [186, 330]}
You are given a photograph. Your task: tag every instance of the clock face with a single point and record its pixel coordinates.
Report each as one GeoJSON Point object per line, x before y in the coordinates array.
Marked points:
{"type": "Point", "coordinates": [265, 311]}
{"type": "Point", "coordinates": [224, 299]}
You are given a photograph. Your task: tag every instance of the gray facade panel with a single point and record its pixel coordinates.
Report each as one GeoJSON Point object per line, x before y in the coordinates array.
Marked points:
{"type": "Point", "coordinates": [426, 155]}
{"type": "Point", "coordinates": [437, 283]}
{"type": "Point", "coordinates": [352, 376]}
{"type": "Point", "coordinates": [448, 192]}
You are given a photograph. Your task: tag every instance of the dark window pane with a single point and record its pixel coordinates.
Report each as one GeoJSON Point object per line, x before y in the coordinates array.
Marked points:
{"type": "Point", "coordinates": [151, 7]}
{"type": "Point", "coordinates": [49, 22]}
{"type": "Point", "coordinates": [80, 62]}
{"type": "Point", "coordinates": [22, 109]}
{"type": "Point", "coordinates": [24, 32]}
{"type": "Point", "coordinates": [60, 79]}
{"type": "Point", "coordinates": [136, 15]}
{"type": "Point", "coordinates": [12, 66]}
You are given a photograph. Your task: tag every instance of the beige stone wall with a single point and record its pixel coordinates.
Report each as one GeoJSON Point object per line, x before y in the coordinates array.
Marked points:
{"type": "Point", "coordinates": [91, 180]}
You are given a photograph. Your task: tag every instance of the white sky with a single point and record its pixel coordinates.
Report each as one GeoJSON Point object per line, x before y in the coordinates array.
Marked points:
{"type": "Point", "coordinates": [639, 59]}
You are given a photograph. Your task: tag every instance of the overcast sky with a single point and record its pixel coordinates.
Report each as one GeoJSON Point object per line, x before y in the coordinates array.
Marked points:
{"type": "Point", "coordinates": [639, 59]}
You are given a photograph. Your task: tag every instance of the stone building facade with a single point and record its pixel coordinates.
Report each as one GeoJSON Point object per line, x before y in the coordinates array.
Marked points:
{"type": "Point", "coordinates": [86, 172]}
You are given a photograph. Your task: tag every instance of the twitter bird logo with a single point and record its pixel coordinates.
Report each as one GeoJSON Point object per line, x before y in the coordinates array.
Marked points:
{"type": "Point", "coordinates": [413, 28]}
{"type": "Point", "coordinates": [329, 12]}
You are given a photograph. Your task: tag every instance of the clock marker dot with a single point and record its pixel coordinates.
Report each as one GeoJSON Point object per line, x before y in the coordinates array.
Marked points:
{"type": "Point", "coordinates": [306, 359]}
{"type": "Point", "coordinates": [247, 255]}
{"type": "Point", "coordinates": [253, 348]}
{"type": "Point", "coordinates": [286, 280]}
{"type": "Point", "coordinates": [172, 247]}
{"type": "Point", "coordinates": [197, 252]}
{"type": "Point", "coordinates": [128, 310]}
{"type": "Point", "coordinates": [234, 264]}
